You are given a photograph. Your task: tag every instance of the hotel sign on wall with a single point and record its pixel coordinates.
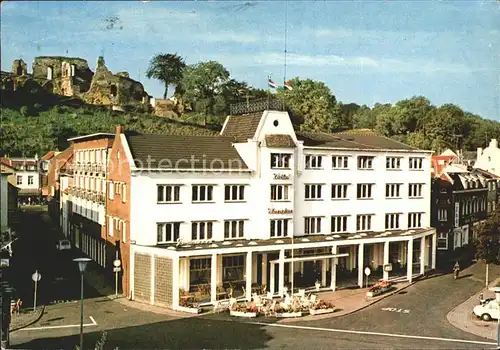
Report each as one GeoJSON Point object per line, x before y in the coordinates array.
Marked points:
{"type": "Point", "coordinates": [457, 214]}
{"type": "Point", "coordinates": [281, 177]}
{"type": "Point", "coordinates": [279, 211]}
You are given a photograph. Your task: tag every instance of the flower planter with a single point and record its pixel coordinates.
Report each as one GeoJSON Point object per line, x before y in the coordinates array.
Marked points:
{"type": "Point", "coordinates": [191, 310]}
{"type": "Point", "coordinates": [378, 291]}
{"type": "Point", "coordinates": [243, 314]}
{"type": "Point", "coordinates": [288, 314]}
{"type": "Point", "coordinates": [320, 311]}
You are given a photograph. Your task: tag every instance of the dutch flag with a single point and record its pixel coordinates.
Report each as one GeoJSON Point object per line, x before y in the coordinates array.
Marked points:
{"type": "Point", "coordinates": [288, 85]}
{"type": "Point", "coordinates": [271, 83]}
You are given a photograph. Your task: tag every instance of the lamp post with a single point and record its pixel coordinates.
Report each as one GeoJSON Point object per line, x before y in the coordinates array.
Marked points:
{"type": "Point", "coordinates": [82, 264]}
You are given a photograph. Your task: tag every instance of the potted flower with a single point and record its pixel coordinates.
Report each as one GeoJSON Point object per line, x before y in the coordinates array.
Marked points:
{"type": "Point", "coordinates": [188, 303]}
{"type": "Point", "coordinates": [243, 310]}
{"type": "Point", "coordinates": [379, 288]}
{"type": "Point", "coordinates": [283, 311]}
{"type": "Point", "coordinates": [317, 285]}
{"type": "Point", "coordinates": [322, 307]}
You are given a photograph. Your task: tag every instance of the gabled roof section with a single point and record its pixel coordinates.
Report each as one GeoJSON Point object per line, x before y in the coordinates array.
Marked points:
{"type": "Point", "coordinates": [370, 138]}
{"type": "Point", "coordinates": [279, 141]}
{"type": "Point", "coordinates": [242, 127]}
{"type": "Point", "coordinates": [89, 137]}
{"type": "Point", "coordinates": [154, 151]}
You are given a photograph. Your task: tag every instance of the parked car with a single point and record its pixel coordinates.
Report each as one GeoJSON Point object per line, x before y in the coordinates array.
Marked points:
{"type": "Point", "coordinates": [488, 310]}
{"type": "Point", "coordinates": [63, 244]}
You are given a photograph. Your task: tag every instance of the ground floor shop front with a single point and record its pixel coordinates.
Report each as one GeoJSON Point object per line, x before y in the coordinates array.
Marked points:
{"type": "Point", "coordinates": [212, 272]}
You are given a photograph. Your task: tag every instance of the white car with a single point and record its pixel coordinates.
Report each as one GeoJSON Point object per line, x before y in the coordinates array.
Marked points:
{"type": "Point", "coordinates": [488, 310]}
{"type": "Point", "coordinates": [63, 244]}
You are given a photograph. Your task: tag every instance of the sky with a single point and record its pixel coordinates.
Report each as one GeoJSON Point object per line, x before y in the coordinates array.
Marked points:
{"type": "Point", "coordinates": [365, 51]}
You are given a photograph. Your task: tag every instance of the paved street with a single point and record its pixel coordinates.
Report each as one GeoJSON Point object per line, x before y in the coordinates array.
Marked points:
{"type": "Point", "coordinates": [415, 313]}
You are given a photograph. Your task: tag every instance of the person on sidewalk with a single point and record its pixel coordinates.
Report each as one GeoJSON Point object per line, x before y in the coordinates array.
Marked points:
{"type": "Point", "coordinates": [456, 270]}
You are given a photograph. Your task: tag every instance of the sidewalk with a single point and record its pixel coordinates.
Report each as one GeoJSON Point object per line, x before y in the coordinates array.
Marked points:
{"type": "Point", "coordinates": [462, 317]}
{"type": "Point", "coordinates": [25, 318]}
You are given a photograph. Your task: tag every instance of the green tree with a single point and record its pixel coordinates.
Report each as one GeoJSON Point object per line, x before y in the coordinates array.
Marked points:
{"type": "Point", "coordinates": [167, 68]}
{"type": "Point", "coordinates": [311, 104]}
{"type": "Point", "coordinates": [488, 240]}
{"type": "Point", "coordinates": [203, 82]}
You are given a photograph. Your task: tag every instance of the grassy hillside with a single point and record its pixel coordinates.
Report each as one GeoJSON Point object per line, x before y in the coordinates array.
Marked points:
{"type": "Point", "coordinates": [26, 131]}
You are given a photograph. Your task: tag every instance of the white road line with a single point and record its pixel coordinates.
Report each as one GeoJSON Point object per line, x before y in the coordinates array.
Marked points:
{"type": "Point", "coordinates": [373, 333]}
{"type": "Point", "coordinates": [94, 323]}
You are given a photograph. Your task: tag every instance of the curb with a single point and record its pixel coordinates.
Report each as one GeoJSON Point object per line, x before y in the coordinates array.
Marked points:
{"type": "Point", "coordinates": [30, 323]}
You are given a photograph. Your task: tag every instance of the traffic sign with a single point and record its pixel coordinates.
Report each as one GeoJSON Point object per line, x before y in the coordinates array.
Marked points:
{"type": "Point", "coordinates": [368, 271]}
{"type": "Point", "coordinates": [36, 276]}
{"type": "Point", "coordinates": [117, 269]}
{"type": "Point", "coordinates": [117, 263]}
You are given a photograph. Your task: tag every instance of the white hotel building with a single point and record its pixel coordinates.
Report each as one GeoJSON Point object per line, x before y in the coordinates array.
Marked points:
{"type": "Point", "coordinates": [264, 205]}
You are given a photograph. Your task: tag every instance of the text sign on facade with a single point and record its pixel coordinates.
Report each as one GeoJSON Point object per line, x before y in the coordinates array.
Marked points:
{"type": "Point", "coordinates": [457, 214]}
{"type": "Point", "coordinates": [281, 177]}
{"type": "Point", "coordinates": [279, 211]}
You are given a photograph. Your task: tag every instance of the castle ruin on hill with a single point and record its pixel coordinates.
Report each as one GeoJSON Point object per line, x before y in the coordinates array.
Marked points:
{"type": "Point", "coordinates": [72, 77]}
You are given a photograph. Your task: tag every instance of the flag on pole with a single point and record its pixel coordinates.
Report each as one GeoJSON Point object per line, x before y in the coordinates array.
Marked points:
{"type": "Point", "coordinates": [288, 85]}
{"type": "Point", "coordinates": [271, 83]}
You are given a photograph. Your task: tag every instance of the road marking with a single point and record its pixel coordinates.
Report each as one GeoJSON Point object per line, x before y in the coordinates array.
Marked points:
{"type": "Point", "coordinates": [94, 323]}
{"type": "Point", "coordinates": [373, 333]}
{"type": "Point", "coordinates": [395, 309]}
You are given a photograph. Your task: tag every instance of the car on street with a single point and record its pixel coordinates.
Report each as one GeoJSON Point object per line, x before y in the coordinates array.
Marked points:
{"type": "Point", "coordinates": [488, 310]}
{"type": "Point", "coordinates": [63, 244]}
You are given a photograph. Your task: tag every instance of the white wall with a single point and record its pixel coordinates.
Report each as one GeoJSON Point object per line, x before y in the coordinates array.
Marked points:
{"type": "Point", "coordinates": [489, 158]}
{"type": "Point", "coordinates": [25, 174]}
{"type": "Point", "coordinates": [4, 202]}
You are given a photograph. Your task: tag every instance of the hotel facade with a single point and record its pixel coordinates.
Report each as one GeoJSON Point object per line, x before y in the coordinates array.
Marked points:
{"type": "Point", "coordinates": [264, 206]}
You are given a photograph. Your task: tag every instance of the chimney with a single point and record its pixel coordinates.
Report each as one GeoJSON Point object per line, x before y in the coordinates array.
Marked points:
{"type": "Point", "coordinates": [479, 152]}
{"type": "Point", "coordinates": [118, 130]}
{"type": "Point", "coordinates": [494, 143]}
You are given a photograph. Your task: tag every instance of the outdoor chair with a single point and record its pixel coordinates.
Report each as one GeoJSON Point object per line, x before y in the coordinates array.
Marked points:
{"type": "Point", "coordinates": [220, 306]}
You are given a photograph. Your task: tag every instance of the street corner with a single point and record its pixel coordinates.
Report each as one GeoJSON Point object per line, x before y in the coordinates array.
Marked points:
{"type": "Point", "coordinates": [25, 319]}
{"type": "Point", "coordinates": [61, 316]}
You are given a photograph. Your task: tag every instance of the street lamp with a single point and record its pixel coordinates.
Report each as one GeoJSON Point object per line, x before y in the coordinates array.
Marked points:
{"type": "Point", "coordinates": [82, 264]}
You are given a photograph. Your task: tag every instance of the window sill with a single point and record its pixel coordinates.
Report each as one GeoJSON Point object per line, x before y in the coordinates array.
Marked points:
{"type": "Point", "coordinates": [280, 201]}
{"type": "Point", "coordinates": [202, 202]}
{"type": "Point", "coordinates": [416, 169]}
{"type": "Point", "coordinates": [168, 203]}
{"type": "Point", "coordinates": [419, 197]}
{"type": "Point", "coordinates": [313, 199]}
{"type": "Point", "coordinates": [340, 199]}
{"type": "Point", "coordinates": [364, 199]}
{"type": "Point", "coordinates": [235, 201]}
{"type": "Point", "coordinates": [281, 168]}
{"type": "Point", "coordinates": [390, 169]}
{"type": "Point", "coordinates": [340, 168]}
{"type": "Point", "coordinates": [393, 197]}
{"type": "Point", "coordinates": [366, 169]}
{"type": "Point", "coordinates": [314, 169]}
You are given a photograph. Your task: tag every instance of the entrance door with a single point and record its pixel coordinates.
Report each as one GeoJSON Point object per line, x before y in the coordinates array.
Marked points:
{"type": "Point", "coordinates": [312, 273]}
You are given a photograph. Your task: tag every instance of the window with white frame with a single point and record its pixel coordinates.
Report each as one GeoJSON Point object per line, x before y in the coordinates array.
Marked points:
{"type": "Point", "coordinates": [416, 163]}
{"type": "Point", "coordinates": [31, 179]}
{"type": "Point", "coordinates": [339, 223]}
{"type": "Point", "coordinates": [443, 214]}
{"type": "Point", "coordinates": [364, 191]}
{"type": "Point", "coordinates": [279, 192]}
{"type": "Point", "coordinates": [202, 193]}
{"type": "Point", "coordinates": [280, 160]}
{"type": "Point", "coordinates": [365, 162]}
{"type": "Point", "coordinates": [234, 193]}
{"type": "Point", "coordinates": [201, 230]}
{"type": "Point", "coordinates": [313, 191]}
{"type": "Point", "coordinates": [392, 221]}
{"type": "Point", "coordinates": [340, 162]}
{"type": "Point", "coordinates": [118, 187]}
{"type": "Point", "coordinates": [279, 227]}
{"type": "Point", "coordinates": [19, 179]}
{"type": "Point", "coordinates": [393, 163]}
{"type": "Point", "coordinates": [234, 229]}
{"type": "Point", "coordinates": [168, 232]}
{"type": "Point", "coordinates": [124, 192]}
{"type": "Point", "coordinates": [415, 190]}
{"type": "Point", "coordinates": [414, 220]}
{"type": "Point", "coordinates": [110, 226]}
{"type": "Point", "coordinates": [339, 191]}
{"type": "Point", "coordinates": [312, 224]}
{"type": "Point", "coordinates": [314, 162]}
{"type": "Point", "coordinates": [124, 232]}
{"type": "Point", "coordinates": [168, 193]}
{"type": "Point", "coordinates": [363, 222]}
{"type": "Point", "coordinates": [392, 190]}
{"type": "Point", "coordinates": [111, 191]}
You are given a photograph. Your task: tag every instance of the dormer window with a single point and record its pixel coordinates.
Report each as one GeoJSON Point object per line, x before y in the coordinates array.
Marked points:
{"type": "Point", "coordinates": [314, 162]}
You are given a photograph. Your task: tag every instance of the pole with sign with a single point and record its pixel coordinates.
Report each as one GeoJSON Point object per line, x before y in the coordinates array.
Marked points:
{"type": "Point", "coordinates": [117, 263]}
{"type": "Point", "coordinates": [368, 271]}
{"type": "Point", "coordinates": [35, 277]}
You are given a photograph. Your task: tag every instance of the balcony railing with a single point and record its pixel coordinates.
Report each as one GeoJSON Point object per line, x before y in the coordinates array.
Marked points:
{"type": "Point", "coordinates": [259, 105]}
